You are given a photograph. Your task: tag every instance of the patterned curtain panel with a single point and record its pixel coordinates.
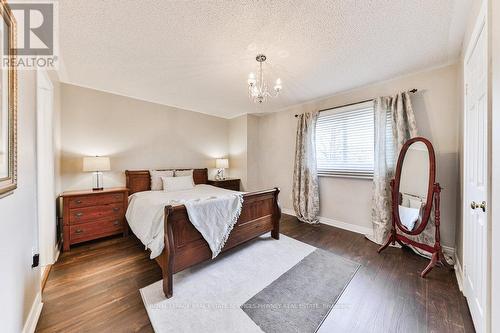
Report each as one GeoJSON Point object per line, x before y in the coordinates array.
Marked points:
{"type": "Point", "coordinates": [305, 177]}
{"type": "Point", "coordinates": [398, 110]}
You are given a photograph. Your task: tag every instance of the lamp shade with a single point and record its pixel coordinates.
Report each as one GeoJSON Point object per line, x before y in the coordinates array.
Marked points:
{"type": "Point", "coordinates": [96, 163]}
{"type": "Point", "coordinates": [222, 163]}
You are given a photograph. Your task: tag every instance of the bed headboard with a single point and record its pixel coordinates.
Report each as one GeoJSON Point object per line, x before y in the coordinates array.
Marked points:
{"type": "Point", "coordinates": [140, 180]}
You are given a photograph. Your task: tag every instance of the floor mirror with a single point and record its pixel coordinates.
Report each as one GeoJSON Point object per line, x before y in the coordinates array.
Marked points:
{"type": "Point", "coordinates": [414, 193]}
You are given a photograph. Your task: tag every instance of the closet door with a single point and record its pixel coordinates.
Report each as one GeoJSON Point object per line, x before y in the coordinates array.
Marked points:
{"type": "Point", "coordinates": [475, 216]}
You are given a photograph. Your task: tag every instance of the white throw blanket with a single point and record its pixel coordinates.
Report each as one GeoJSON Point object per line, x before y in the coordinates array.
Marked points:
{"type": "Point", "coordinates": [214, 218]}
{"type": "Point", "coordinates": [212, 210]}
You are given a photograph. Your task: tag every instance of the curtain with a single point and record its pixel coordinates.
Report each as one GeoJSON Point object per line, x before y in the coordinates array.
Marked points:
{"type": "Point", "coordinates": [305, 191]}
{"type": "Point", "coordinates": [402, 120]}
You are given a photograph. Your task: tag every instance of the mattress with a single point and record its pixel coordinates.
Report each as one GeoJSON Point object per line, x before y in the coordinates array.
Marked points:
{"type": "Point", "coordinates": [146, 211]}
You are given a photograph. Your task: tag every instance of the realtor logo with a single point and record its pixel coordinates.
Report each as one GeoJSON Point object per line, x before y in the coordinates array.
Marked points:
{"type": "Point", "coordinates": [36, 39]}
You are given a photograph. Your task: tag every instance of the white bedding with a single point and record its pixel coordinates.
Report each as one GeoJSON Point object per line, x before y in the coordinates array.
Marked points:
{"type": "Point", "coordinates": [146, 210]}
{"type": "Point", "coordinates": [408, 216]}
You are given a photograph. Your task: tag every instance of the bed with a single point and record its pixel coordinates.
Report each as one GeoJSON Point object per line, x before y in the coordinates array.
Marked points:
{"type": "Point", "coordinates": [184, 246]}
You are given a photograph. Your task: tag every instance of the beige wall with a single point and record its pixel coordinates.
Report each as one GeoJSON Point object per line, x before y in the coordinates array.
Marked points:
{"type": "Point", "coordinates": [54, 78]}
{"type": "Point", "coordinates": [349, 200]}
{"type": "Point", "coordinates": [142, 135]}
{"type": "Point", "coordinates": [19, 283]}
{"type": "Point", "coordinates": [238, 149]}
{"type": "Point", "coordinates": [244, 151]}
{"type": "Point", "coordinates": [135, 134]}
{"type": "Point", "coordinates": [253, 153]}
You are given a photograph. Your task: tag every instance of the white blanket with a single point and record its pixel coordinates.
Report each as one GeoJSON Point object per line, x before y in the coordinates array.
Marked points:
{"type": "Point", "coordinates": [212, 210]}
{"type": "Point", "coordinates": [408, 216]}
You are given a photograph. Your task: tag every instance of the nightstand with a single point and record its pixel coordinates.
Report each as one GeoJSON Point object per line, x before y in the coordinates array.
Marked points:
{"type": "Point", "coordinates": [89, 215]}
{"type": "Point", "coordinates": [228, 183]}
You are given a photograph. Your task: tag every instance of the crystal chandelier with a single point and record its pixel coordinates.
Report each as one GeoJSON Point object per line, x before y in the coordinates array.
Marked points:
{"type": "Point", "coordinates": [257, 88]}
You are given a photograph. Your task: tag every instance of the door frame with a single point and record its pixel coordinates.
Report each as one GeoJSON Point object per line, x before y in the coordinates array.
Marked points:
{"type": "Point", "coordinates": [494, 86]}
{"type": "Point", "coordinates": [482, 22]}
{"type": "Point", "coordinates": [47, 242]}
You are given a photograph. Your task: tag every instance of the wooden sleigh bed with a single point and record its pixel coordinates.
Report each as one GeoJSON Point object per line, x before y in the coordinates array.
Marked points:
{"type": "Point", "coordinates": [185, 246]}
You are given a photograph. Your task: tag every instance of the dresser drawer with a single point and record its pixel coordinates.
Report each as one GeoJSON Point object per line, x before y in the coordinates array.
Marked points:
{"type": "Point", "coordinates": [88, 214]}
{"type": "Point", "coordinates": [97, 199]}
{"type": "Point", "coordinates": [92, 230]}
{"type": "Point", "coordinates": [232, 187]}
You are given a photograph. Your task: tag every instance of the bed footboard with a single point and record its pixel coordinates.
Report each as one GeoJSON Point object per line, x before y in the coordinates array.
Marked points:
{"type": "Point", "coordinates": [185, 246]}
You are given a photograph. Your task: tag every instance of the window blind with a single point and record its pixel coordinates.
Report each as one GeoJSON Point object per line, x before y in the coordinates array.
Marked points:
{"type": "Point", "coordinates": [345, 141]}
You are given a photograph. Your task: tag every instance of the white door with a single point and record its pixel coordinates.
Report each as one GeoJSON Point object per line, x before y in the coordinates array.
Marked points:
{"type": "Point", "coordinates": [46, 199]}
{"type": "Point", "coordinates": [475, 233]}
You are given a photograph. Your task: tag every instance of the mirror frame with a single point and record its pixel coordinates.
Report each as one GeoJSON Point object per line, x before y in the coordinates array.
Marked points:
{"type": "Point", "coordinates": [430, 186]}
{"type": "Point", "coordinates": [9, 184]}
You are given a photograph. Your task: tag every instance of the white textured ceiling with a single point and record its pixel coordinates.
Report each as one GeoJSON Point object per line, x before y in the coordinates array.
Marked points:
{"type": "Point", "coordinates": [196, 55]}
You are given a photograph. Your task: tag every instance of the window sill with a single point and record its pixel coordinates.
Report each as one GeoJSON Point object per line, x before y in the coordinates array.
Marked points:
{"type": "Point", "coordinates": [365, 177]}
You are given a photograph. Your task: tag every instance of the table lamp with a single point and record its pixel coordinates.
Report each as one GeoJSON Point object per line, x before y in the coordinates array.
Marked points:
{"type": "Point", "coordinates": [96, 164]}
{"type": "Point", "coordinates": [221, 164]}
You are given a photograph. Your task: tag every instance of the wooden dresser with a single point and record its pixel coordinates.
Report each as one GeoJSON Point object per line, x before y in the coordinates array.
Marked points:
{"type": "Point", "coordinates": [89, 215]}
{"type": "Point", "coordinates": [228, 183]}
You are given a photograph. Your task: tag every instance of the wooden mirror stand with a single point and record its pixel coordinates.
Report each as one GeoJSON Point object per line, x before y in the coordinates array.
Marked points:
{"type": "Point", "coordinates": [399, 233]}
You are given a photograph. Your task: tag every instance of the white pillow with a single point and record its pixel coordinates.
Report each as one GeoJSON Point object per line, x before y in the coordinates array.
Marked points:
{"type": "Point", "coordinates": [172, 184]}
{"type": "Point", "coordinates": [182, 173]}
{"type": "Point", "coordinates": [415, 203]}
{"type": "Point", "coordinates": [156, 182]}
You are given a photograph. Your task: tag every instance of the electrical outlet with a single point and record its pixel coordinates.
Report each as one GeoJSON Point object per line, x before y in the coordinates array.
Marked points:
{"type": "Point", "coordinates": [36, 258]}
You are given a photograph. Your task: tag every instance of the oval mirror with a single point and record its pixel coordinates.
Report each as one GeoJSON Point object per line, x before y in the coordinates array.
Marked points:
{"type": "Point", "coordinates": [414, 182]}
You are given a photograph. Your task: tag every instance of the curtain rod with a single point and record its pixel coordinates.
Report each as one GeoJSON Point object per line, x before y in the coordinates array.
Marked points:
{"type": "Point", "coordinates": [367, 100]}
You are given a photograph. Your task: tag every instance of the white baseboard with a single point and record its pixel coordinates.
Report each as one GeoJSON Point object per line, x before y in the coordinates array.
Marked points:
{"type": "Point", "coordinates": [459, 273]}
{"type": "Point", "coordinates": [288, 211]}
{"type": "Point", "coordinates": [346, 226]}
{"type": "Point", "coordinates": [56, 255]}
{"type": "Point", "coordinates": [339, 224]}
{"type": "Point", "coordinates": [448, 250]}
{"type": "Point", "coordinates": [32, 320]}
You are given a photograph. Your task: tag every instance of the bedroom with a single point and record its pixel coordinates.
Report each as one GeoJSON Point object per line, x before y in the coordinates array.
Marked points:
{"type": "Point", "coordinates": [226, 166]}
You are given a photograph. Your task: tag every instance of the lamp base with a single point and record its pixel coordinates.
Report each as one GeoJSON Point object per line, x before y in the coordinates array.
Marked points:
{"type": "Point", "coordinates": [220, 174]}
{"type": "Point", "coordinates": [97, 181]}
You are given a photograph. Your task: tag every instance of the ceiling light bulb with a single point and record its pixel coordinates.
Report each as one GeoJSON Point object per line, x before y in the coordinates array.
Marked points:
{"type": "Point", "coordinates": [251, 79]}
{"type": "Point", "coordinates": [278, 86]}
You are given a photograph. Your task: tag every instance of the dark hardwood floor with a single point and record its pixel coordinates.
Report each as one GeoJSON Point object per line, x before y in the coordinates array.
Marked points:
{"type": "Point", "coordinates": [95, 287]}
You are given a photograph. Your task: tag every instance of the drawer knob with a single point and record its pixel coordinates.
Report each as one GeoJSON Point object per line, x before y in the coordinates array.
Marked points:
{"type": "Point", "coordinates": [116, 223]}
{"type": "Point", "coordinates": [117, 196]}
{"type": "Point", "coordinates": [78, 201]}
{"type": "Point", "coordinates": [79, 214]}
{"type": "Point", "coordinates": [78, 231]}
{"type": "Point", "coordinates": [115, 209]}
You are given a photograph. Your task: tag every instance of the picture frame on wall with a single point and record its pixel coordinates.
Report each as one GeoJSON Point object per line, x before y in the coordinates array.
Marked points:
{"type": "Point", "coordinates": [8, 103]}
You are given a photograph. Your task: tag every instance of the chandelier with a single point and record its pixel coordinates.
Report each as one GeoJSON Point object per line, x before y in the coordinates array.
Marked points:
{"type": "Point", "coordinates": [257, 88]}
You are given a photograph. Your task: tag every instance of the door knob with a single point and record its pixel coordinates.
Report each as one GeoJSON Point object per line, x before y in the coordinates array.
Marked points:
{"type": "Point", "coordinates": [482, 205]}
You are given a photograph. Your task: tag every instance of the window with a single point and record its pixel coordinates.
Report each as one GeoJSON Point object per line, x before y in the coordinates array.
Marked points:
{"type": "Point", "coordinates": [345, 141]}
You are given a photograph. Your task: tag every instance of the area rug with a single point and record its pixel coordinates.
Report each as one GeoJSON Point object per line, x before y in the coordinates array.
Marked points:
{"type": "Point", "coordinates": [250, 288]}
